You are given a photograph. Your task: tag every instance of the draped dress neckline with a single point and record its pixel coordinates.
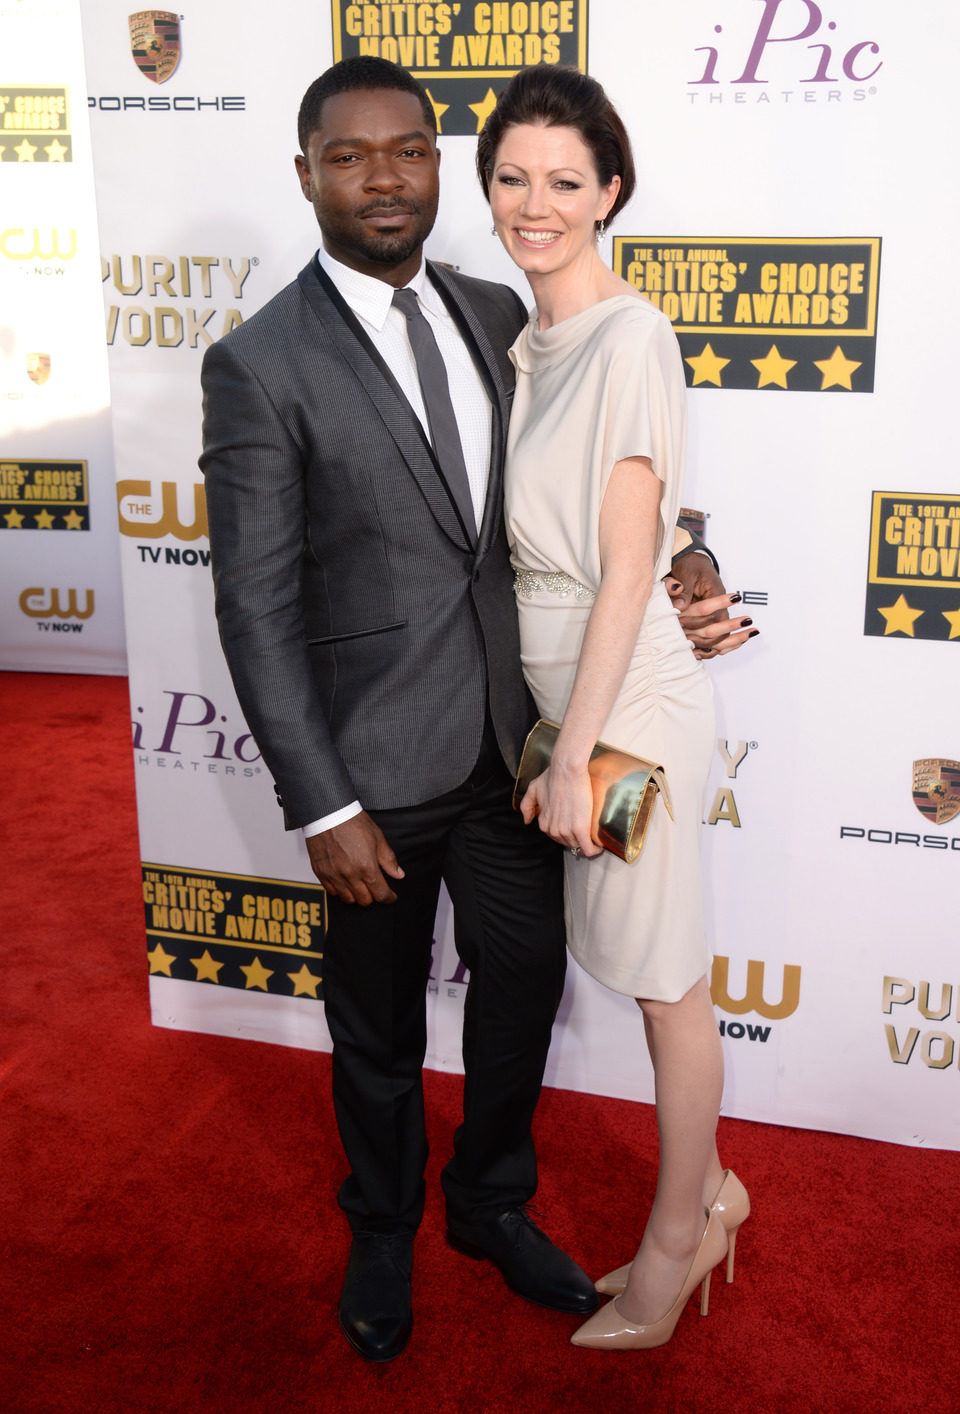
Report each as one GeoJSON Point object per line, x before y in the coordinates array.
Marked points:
{"type": "Point", "coordinates": [539, 348]}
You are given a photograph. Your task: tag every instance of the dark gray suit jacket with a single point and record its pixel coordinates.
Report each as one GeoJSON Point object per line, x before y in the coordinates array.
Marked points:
{"type": "Point", "coordinates": [363, 628]}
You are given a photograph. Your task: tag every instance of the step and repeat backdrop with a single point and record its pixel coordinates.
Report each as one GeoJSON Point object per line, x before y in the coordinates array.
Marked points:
{"type": "Point", "coordinates": [59, 567]}
{"type": "Point", "coordinates": [795, 219]}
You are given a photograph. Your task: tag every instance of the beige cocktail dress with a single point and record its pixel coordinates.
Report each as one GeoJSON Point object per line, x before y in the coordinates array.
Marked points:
{"type": "Point", "coordinates": [601, 386]}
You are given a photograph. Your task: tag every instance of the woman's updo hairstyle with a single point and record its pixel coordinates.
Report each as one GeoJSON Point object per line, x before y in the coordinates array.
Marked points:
{"type": "Point", "coordinates": [560, 97]}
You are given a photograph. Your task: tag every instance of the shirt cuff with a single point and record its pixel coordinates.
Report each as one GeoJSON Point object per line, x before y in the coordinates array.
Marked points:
{"type": "Point", "coordinates": [336, 817]}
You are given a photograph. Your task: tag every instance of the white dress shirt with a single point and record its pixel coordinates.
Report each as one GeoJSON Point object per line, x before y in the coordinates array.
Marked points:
{"type": "Point", "coordinates": [371, 300]}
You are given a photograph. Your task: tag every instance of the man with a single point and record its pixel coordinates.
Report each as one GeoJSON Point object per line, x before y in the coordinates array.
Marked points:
{"type": "Point", "coordinates": [365, 603]}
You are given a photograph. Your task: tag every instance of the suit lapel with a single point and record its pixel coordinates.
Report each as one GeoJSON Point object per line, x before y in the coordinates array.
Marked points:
{"type": "Point", "coordinates": [386, 398]}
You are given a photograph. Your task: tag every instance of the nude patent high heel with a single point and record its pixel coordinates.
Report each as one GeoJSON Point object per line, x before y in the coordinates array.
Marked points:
{"type": "Point", "coordinates": [607, 1329]}
{"type": "Point", "coordinates": [732, 1207]}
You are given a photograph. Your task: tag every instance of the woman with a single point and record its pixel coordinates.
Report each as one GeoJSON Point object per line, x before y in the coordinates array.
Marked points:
{"type": "Point", "coordinates": [593, 487]}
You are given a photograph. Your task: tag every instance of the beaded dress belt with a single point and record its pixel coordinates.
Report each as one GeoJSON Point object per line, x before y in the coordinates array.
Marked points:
{"type": "Point", "coordinates": [527, 582]}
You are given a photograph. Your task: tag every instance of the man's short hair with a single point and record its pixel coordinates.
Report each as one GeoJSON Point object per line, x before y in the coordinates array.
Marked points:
{"type": "Point", "coordinates": [360, 71]}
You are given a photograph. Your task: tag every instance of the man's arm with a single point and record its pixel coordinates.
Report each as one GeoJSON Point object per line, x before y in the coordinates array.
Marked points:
{"type": "Point", "coordinates": [256, 507]}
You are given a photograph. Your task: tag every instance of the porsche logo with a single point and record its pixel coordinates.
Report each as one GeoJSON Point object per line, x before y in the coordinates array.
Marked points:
{"type": "Point", "coordinates": [936, 789]}
{"type": "Point", "coordinates": [38, 368]}
{"type": "Point", "coordinates": [155, 43]}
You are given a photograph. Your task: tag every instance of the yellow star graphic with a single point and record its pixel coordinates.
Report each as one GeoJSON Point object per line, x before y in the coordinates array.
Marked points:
{"type": "Point", "coordinates": [707, 367]}
{"type": "Point", "coordinates": [256, 975]}
{"type": "Point", "coordinates": [484, 108]}
{"type": "Point", "coordinates": [900, 617]}
{"type": "Point", "coordinates": [160, 961]}
{"type": "Point", "coordinates": [774, 368]}
{"type": "Point", "coordinates": [73, 520]}
{"type": "Point", "coordinates": [207, 969]}
{"type": "Point", "coordinates": [56, 151]}
{"type": "Point", "coordinates": [14, 519]}
{"type": "Point", "coordinates": [44, 520]}
{"type": "Point", "coordinates": [25, 151]}
{"type": "Point", "coordinates": [438, 110]}
{"type": "Point", "coordinates": [304, 982]}
{"type": "Point", "coordinates": [836, 370]}
{"type": "Point", "coordinates": [952, 617]}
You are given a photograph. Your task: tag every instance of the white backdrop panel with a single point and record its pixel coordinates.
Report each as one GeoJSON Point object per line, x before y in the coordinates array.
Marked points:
{"type": "Point", "coordinates": [59, 570]}
{"type": "Point", "coordinates": [795, 137]}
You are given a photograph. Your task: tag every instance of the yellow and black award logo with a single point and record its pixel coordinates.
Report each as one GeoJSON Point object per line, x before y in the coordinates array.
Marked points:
{"type": "Point", "coordinates": [231, 930]}
{"type": "Point", "coordinates": [936, 789]}
{"type": "Point", "coordinates": [796, 315]}
{"type": "Point", "coordinates": [44, 496]}
{"type": "Point", "coordinates": [40, 119]}
{"type": "Point", "coordinates": [155, 43]}
{"type": "Point", "coordinates": [913, 578]}
{"type": "Point", "coordinates": [463, 54]}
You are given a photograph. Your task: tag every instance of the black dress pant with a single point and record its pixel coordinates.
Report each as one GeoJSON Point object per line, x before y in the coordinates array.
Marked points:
{"type": "Point", "coordinates": [505, 883]}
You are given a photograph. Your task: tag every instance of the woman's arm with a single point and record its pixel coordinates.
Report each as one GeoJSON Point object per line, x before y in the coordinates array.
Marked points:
{"type": "Point", "coordinates": [629, 518]}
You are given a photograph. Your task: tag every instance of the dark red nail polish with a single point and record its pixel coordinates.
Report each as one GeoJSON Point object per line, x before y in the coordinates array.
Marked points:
{"type": "Point", "coordinates": [745, 623]}
{"type": "Point", "coordinates": [735, 598]}
{"type": "Point", "coordinates": [753, 633]}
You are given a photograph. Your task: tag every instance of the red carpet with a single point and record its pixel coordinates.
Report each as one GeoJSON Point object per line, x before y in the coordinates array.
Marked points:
{"type": "Point", "coordinates": [170, 1240]}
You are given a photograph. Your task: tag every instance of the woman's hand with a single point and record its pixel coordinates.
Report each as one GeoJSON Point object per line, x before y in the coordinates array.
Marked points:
{"type": "Point", "coordinates": [711, 630]}
{"type": "Point", "coordinates": [563, 800]}
{"type": "Point", "coordinates": [697, 591]}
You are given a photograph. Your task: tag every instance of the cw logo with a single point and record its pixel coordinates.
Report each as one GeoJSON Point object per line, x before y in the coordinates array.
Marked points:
{"type": "Point", "coordinates": [45, 604]}
{"type": "Point", "coordinates": [753, 999]}
{"type": "Point", "coordinates": [136, 503]}
{"type": "Point", "coordinates": [17, 243]}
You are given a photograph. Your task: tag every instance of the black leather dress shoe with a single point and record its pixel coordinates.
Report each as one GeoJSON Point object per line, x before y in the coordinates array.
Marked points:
{"type": "Point", "coordinates": [375, 1313]}
{"type": "Point", "coordinates": [529, 1262]}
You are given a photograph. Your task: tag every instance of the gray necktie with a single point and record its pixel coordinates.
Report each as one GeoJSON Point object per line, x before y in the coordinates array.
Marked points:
{"type": "Point", "coordinates": [444, 432]}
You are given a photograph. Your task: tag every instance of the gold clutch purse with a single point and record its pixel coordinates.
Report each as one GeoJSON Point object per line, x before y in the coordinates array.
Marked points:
{"type": "Point", "coordinates": [625, 789]}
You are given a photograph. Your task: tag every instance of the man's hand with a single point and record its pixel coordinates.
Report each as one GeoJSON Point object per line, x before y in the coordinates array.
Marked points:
{"type": "Point", "coordinates": [696, 589]}
{"type": "Point", "coordinates": [351, 860]}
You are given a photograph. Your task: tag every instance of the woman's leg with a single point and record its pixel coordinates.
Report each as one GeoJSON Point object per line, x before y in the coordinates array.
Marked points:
{"type": "Point", "coordinates": [713, 1179]}
{"type": "Point", "coordinates": [688, 1071]}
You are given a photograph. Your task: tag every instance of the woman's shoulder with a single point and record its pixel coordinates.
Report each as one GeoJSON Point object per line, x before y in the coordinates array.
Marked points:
{"type": "Point", "coordinates": [634, 326]}
{"type": "Point", "coordinates": [634, 312]}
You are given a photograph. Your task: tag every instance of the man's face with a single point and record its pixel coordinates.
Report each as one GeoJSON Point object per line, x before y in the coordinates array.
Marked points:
{"type": "Point", "coordinates": [371, 172]}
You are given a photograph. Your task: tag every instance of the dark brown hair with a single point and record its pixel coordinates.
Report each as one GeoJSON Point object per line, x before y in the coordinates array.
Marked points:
{"type": "Point", "coordinates": [560, 97]}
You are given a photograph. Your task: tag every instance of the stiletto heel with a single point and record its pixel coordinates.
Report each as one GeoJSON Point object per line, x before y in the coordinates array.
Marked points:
{"type": "Point", "coordinates": [705, 1293]}
{"type": "Point", "coordinates": [607, 1329]}
{"type": "Point", "coordinates": [732, 1207]}
{"type": "Point", "coordinates": [732, 1242]}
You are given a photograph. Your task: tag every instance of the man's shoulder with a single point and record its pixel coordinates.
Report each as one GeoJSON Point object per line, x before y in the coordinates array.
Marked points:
{"type": "Point", "coordinates": [272, 324]}
{"type": "Point", "coordinates": [483, 294]}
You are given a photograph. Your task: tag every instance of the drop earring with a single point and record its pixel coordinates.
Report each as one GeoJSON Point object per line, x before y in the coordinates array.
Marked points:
{"type": "Point", "coordinates": [493, 230]}
{"type": "Point", "coordinates": [600, 230]}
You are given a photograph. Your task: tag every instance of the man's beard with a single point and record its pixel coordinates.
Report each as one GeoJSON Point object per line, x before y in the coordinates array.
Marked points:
{"type": "Point", "coordinates": [387, 248]}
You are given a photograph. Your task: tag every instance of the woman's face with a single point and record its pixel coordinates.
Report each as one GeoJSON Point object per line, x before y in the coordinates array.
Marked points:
{"type": "Point", "coordinates": [545, 196]}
